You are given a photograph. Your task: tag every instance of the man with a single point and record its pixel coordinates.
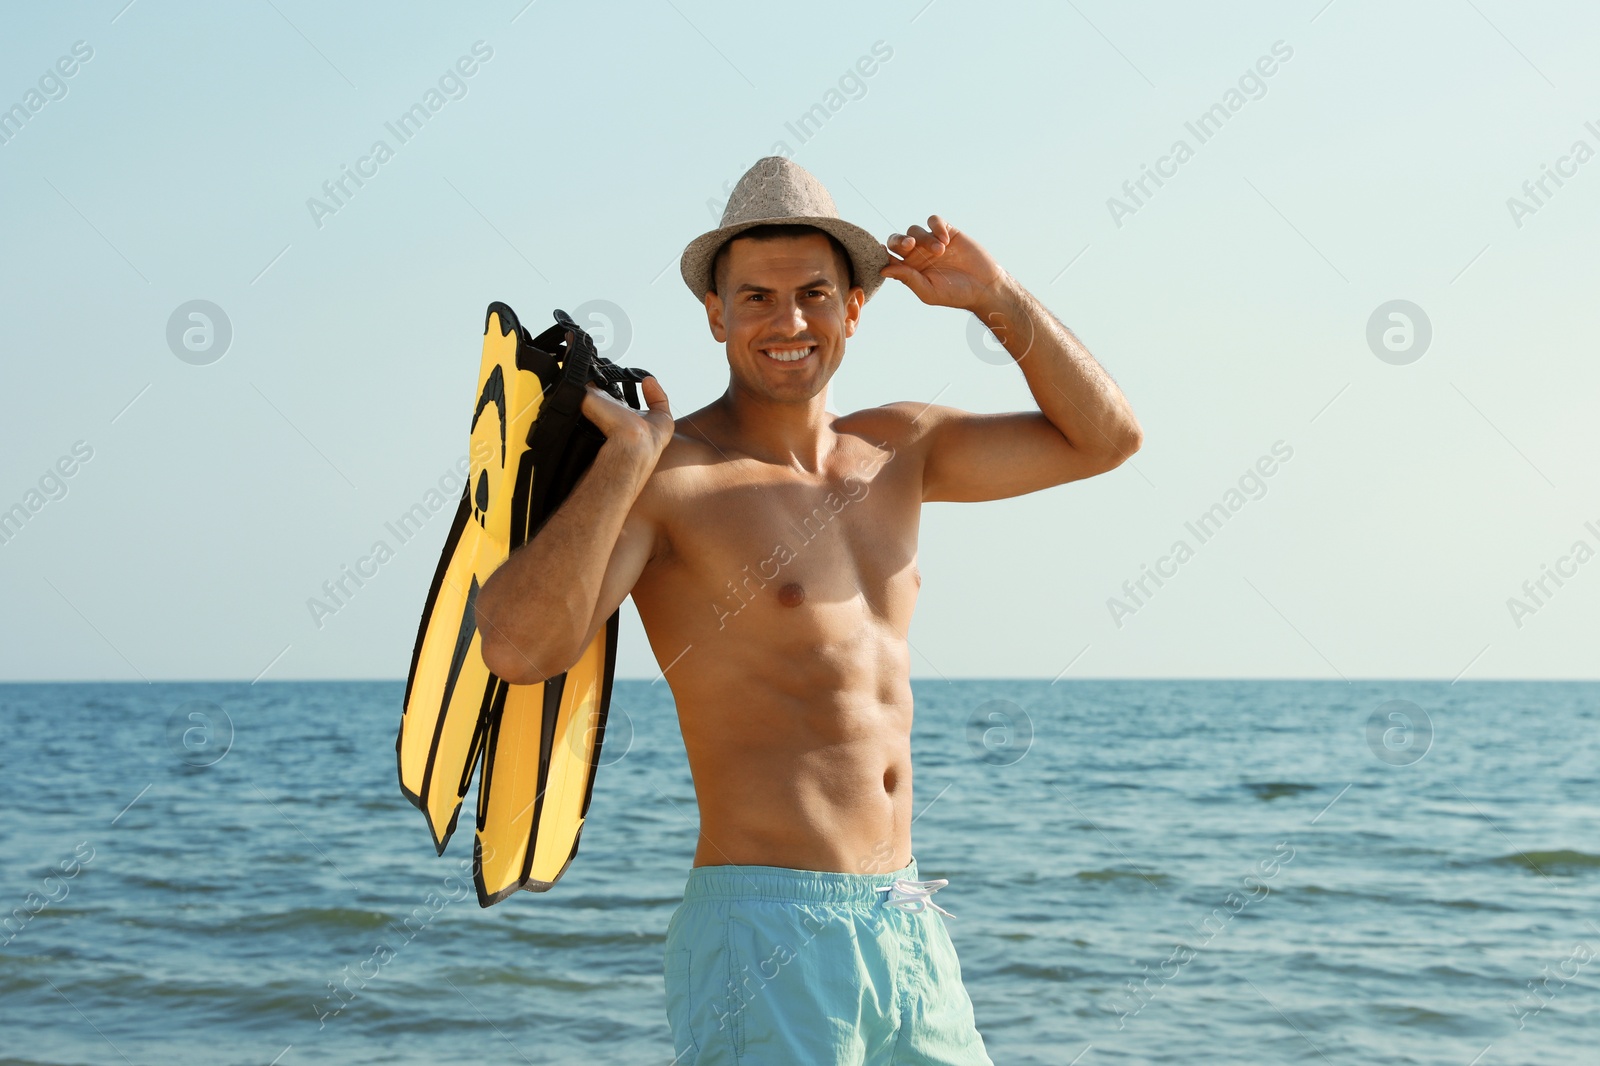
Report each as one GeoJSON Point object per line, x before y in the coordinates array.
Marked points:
{"type": "Point", "coordinates": [770, 547]}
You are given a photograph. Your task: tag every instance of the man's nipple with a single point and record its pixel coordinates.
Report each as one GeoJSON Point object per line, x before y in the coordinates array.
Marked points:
{"type": "Point", "coordinates": [792, 595]}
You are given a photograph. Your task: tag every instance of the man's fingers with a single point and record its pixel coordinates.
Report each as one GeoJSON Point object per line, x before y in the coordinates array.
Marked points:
{"type": "Point", "coordinates": [595, 401]}
{"type": "Point", "coordinates": [932, 239]}
{"type": "Point", "coordinates": [620, 422]}
{"type": "Point", "coordinates": [912, 278]}
{"type": "Point", "coordinates": [655, 397]}
{"type": "Point", "coordinates": [922, 240]}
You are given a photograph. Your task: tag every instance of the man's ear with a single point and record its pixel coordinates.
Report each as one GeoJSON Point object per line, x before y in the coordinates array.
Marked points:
{"type": "Point", "coordinates": [714, 317]}
{"type": "Point", "coordinates": [852, 309]}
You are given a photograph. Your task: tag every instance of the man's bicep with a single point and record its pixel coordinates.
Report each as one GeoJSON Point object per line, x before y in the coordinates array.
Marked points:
{"type": "Point", "coordinates": [975, 457]}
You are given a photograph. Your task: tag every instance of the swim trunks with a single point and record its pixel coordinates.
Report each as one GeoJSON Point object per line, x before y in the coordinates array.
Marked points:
{"type": "Point", "coordinates": [772, 966]}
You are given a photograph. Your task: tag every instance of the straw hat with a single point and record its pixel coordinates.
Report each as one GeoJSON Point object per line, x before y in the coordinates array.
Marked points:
{"type": "Point", "coordinates": [778, 191]}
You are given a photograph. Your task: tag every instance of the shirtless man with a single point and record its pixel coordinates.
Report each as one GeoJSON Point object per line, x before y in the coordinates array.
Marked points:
{"type": "Point", "coordinates": [770, 547]}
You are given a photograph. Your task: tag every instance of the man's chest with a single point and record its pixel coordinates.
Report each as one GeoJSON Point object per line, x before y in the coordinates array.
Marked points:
{"type": "Point", "coordinates": [772, 542]}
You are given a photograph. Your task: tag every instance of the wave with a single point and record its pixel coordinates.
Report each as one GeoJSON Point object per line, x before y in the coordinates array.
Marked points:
{"type": "Point", "coordinates": [1563, 862]}
{"type": "Point", "coordinates": [1387, 899]}
{"type": "Point", "coordinates": [620, 902]}
{"type": "Point", "coordinates": [1468, 904]}
{"type": "Point", "coordinates": [1271, 790]}
{"type": "Point", "coordinates": [1115, 874]}
{"type": "Point", "coordinates": [166, 884]}
{"type": "Point", "coordinates": [530, 977]}
{"type": "Point", "coordinates": [299, 919]}
{"type": "Point", "coordinates": [1410, 1014]}
{"type": "Point", "coordinates": [1031, 972]}
{"type": "Point", "coordinates": [556, 940]}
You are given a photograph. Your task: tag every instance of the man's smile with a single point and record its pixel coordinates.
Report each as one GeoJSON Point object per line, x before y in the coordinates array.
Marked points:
{"type": "Point", "coordinates": [789, 354]}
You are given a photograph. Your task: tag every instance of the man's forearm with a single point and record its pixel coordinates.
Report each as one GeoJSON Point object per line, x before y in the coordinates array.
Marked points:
{"type": "Point", "coordinates": [1071, 388]}
{"type": "Point", "coordinates": [535, 609]}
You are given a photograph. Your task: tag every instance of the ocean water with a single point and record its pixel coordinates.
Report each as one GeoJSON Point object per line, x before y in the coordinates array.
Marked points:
{"type": "Point", "coordinates": [1174, 871]}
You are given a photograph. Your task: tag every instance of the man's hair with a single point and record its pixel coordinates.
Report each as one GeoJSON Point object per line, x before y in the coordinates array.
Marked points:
{"type": "Point", "coordinates": [773, 231]}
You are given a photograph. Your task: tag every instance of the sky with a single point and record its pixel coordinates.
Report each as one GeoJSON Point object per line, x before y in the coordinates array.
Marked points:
{"type": "Point", "coordinates": [1359, 274]}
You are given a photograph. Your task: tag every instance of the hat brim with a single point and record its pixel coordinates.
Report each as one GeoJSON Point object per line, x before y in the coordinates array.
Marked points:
{"type": "Point", "coordinates": [867, 254]}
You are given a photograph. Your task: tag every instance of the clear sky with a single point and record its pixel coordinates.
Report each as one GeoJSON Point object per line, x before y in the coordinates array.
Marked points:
{"type": "Point", "coordinates": [1356, 154]}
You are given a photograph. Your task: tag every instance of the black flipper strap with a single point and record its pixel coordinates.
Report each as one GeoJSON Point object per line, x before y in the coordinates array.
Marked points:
{"type": "Point", "coordinates": [584, 364]}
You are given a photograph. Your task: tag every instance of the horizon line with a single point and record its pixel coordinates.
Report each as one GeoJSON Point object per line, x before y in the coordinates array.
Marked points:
{"type": "Point", "coordinates": [1029, 677]}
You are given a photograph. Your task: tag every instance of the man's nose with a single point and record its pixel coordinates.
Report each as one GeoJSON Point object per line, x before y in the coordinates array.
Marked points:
{"type": "Point", "coordinates": [792, 316]}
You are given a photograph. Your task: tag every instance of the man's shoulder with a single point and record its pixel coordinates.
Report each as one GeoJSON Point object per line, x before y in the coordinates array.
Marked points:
{"type": "Point", "coordinates": [685, 460]}
{"type": "Point", "coordinates": [692, 444]}
{"type": "Point", "coordinates": [689, 463]}
{"type": "Point", "coordinates": [902, 423]}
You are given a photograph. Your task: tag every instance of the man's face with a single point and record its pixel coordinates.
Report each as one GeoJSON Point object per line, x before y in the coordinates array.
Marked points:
{"type": "Point", "coordinates": [784, 312]}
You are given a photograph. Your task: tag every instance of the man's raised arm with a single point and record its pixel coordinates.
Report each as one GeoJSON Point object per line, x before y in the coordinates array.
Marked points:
{"type": "Point", "coordinates": [1084, 425]}
{"type": "Point", "coordinates": [540, 609]}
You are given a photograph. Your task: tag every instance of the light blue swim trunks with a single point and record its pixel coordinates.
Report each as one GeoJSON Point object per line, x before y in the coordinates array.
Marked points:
{"type": "Point", "coordinates": [776, 967]}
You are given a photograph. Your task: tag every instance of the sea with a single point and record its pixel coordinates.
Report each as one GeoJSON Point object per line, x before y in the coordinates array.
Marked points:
{"type": "Point", "coordinates": [1207, 871]}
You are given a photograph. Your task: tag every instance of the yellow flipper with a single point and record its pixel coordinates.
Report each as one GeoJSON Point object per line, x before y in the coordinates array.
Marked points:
{"type": "Point", "coordinates": [521, 788]}
{"type": "Point", "coordinates": [539, 744]}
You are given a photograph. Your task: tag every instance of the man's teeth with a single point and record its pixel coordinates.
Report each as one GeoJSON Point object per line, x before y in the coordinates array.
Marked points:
{"type": "Point", "coordinates": [788, 355]}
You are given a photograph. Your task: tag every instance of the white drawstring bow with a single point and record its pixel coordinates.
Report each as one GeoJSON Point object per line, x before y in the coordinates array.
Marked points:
{"type": "Point", "coordinates": [914, 896]}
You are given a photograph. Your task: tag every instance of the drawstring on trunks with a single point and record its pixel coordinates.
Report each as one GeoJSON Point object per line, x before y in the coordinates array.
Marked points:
{"type": "Point", "coordinates": [914, 896]}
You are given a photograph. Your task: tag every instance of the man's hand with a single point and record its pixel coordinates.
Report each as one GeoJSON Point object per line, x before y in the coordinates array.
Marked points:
{"type": "Point", "coordinates": [943, 266]}
{"type": "Point", "coordinates": [647, 432]}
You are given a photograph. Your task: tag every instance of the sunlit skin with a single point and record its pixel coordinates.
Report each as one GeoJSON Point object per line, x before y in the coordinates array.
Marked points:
{"type": "Point", "coordinates": [771, 546]}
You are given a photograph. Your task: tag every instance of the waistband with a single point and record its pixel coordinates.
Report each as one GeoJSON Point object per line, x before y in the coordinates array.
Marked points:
{"type": "Point", "coordinates": [795, 886]}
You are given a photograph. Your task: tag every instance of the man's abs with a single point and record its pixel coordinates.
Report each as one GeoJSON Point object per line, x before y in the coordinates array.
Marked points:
{"type": "Point", "coordinates": [798, 762]}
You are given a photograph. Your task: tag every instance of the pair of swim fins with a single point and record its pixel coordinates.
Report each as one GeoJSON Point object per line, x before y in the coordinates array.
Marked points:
{"type": "Point", "coordinates": [536, 747]}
